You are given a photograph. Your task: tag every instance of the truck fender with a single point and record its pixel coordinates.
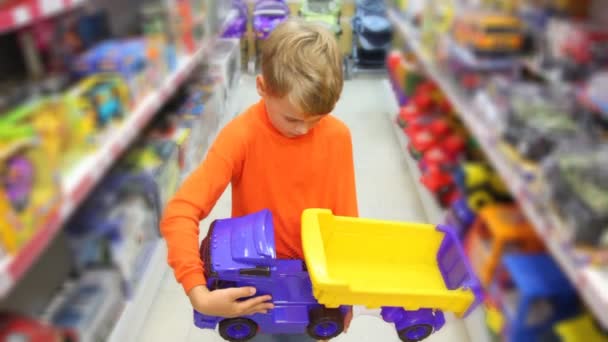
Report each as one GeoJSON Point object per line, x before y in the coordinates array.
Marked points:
{"type": "Point", "coordinates": [204, 321]}
{"type": "Point", "coordinates": [403, 318]}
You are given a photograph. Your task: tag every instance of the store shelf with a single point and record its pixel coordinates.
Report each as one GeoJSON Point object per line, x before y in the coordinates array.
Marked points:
{"type": "Point", "coordinates": [433, 213]}
{"type": "Point", "coordinates": [90, 170]}
{"type": "Point", "coordinates": [134, 314]}
{"type": "Point", "coordinates": [474, 324]}
{"type": "Point", "coordinates": [592, 282]}
{"type": "Point", "coordinates": [30, 11]}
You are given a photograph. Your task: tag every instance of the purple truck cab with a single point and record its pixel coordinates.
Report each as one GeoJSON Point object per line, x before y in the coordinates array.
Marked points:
{"type": "Point", "coordinates": [240, 252]}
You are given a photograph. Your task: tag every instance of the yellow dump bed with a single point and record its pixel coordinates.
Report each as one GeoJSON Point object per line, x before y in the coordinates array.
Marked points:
{"type": "Point", "coordinates": [355, 261]}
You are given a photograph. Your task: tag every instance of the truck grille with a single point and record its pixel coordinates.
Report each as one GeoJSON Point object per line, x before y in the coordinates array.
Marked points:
{"type": "Point", "coordinates": [205, 252]}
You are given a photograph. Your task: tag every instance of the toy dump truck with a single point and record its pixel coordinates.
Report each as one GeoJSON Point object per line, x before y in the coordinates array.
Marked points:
{"type": "Point", "coordinates": [413, 272]}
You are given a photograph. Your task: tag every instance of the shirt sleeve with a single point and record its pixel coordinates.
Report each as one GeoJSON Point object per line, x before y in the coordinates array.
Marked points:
{"type": "Point", "coordinates": [193, 201]}
{"type": "Point", "coordinates": [346, 202]}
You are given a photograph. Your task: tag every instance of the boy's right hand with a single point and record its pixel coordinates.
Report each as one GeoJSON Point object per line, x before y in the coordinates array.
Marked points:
{"type": "Point", "coordinates": [226, 302]}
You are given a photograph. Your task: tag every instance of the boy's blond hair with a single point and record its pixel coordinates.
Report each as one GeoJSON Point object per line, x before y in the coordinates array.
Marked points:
{"type": "Point", "coordinates": [302, 61]}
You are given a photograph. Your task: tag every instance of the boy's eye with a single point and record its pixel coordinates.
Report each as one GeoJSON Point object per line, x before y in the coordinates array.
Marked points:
{"type": "Point", "coordinates": [292, 119]}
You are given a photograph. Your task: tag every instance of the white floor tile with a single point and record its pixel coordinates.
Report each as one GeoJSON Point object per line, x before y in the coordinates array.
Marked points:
{"type": "Point", "coordinates": [385, 190]}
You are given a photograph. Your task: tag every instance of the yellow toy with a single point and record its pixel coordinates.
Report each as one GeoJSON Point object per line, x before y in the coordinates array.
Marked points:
{"type": "Point", "coordinates": [489, 33]}
{"type": "Point", "coordinates": [413, 272]}
{"type": "Point", "coordinates": [580, 328]}
{"type": "Point", "coordinates": [31, 193]}
{"type": "Point", "coordinates": [100, 99]}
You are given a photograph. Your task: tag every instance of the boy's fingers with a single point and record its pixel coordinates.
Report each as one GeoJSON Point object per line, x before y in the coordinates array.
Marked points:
{"type": "Point", "coordinates": [241, 292]}
{"type": "Point", "coordinates": [254, 302]}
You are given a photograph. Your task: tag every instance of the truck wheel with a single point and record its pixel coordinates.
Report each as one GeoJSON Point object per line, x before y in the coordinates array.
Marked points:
{"type": "Point", "coordinates": [415, 333]}
{"type": "Point", "coordinates": [325, 323]}
{"type": "Point", "coordinates": [238, 329]}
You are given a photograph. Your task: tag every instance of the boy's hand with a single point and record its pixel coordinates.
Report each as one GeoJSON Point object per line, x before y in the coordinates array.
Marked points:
{"type": "Point", "coordinates": [348, 318]}
{"type": "Point", "coordinates": [225, 302]}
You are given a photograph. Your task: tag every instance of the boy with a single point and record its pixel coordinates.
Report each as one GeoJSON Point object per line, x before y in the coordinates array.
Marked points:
{"type": "Point", "coordinates": [285, 153]}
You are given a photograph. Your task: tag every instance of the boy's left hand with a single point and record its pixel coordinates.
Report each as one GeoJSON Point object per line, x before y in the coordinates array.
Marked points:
{"type": "Point", "coordinates": [348, 317]}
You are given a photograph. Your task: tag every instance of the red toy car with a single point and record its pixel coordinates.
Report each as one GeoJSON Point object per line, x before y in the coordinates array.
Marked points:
{"type": "Point", "coordinates": [585, 50]}
{"type": "Point", "coordinates": [441, 183]}
{"type": "Point", "coordinates": [20, 328]}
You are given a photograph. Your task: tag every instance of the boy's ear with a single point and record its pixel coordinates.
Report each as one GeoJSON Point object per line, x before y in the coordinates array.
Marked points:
{"type": "Point", "coordinates": [260, 86]}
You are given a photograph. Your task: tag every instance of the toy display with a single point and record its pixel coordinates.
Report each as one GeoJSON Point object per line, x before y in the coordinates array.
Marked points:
{"type": "Point", "coordinates": [87, 309]}
{"type": "Point", "coordinates": [117, 226]}
{"type": "Point", "coordinates": [460, 217]}
{"type": "Point", "coordinates": [498, 230]}
{"type": "Point", "coordinates": [530, 295]}
{"type": "Point", "coordinates": [129, 59]}
{"type": "Point", "coordinates": [593, 98]}
{"type": "Point", "coordinates": [535, 126]}
{"type": "Point", "coordinates": [372, 34]}
{"type": "Point", "coordinates": [104, 97]}
{"type": "Point", "coordinates": [437, 278]}
{"type": "Point", "coordinates": [324, 12]}
{"type": "Point", "coordinates": [577, 183]}
{"type": "Point", "coordinates": [29, 175]}
{"type": "Point", "coordinates": [489, 34]}
{"type": "Point", "coordinates": [584, 51]}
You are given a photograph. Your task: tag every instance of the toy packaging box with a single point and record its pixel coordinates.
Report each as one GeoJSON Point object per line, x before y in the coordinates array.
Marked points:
{"type": "Point", "coordinates": [126, 57]}
{"type": "Point", "coordinates": [30, 194]}
{"type": "Point", "coordinates": [117, 226]}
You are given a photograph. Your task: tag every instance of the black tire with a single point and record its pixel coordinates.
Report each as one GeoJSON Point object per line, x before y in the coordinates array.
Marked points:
{"type": "Point", "coordinates": [424, 331]}
{"type": "Point", "coordinates": [229, 327]}
{"type": "Point", "coordinates": [330, 321]}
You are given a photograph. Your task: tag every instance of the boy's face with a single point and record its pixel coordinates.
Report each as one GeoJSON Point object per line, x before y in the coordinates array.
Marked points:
{"type": "Point", "coordinates": [284, 116]}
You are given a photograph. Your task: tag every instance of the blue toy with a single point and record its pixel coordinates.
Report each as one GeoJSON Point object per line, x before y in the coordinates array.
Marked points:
{"type": "Point", "coordinates": [532, 294]}
{"type": "Point", "coordinates": [372, 34]}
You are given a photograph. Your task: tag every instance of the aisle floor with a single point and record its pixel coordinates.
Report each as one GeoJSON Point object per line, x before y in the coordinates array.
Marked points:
{"type": "Point", "coordinates": [385, 190]}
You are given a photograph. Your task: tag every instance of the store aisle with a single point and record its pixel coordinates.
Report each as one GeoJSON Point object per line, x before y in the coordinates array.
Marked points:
{"type": "Point", "coordinates": [385, 190]}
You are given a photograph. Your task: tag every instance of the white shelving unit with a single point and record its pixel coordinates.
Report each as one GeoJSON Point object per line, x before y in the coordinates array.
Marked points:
{"type": "Point", "coordinates": [591, 281]}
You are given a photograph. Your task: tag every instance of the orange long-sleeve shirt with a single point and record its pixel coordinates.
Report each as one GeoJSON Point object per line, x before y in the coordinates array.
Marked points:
{"type": "Point", "coordinates": [267, 170]}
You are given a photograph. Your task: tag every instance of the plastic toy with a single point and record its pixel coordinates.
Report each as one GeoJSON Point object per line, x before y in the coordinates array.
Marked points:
{"type": "Point", "coordinates": [531, 295]}
{"type": "Point", "coordinates": [104, 96]}
{"type": "Point", "coordinates": [577, 182]}
{"type": "Point", "coordinates": [489, 34]}
{"type": "Point", "coordinates": [268, 14]}
{"type": "Point", "coordinates": [127, 58]}
{"type": "Point", "coordinates": [584, 51]}
{"type": "Point", "coordinates": [535, 125]}
{"type": "Point", "coordinates": [460, 217]}
{"type": "Point", "coordinates": [498, 229]}
{"type": "Point", "coordinates": [308, 295]}
{"type": "Point", "coordinates": [579, 328]}
{"type": "Point", "coordinates": [372, 34]}
{"type": "Point", "coordinates": [236, 22]}
{"type": "Point", "coordinates": [30, 156]}
{"type": "Point", "coordinates": [324, 12]}
{"type": "Point", "coordinates": [480, 184]}
{"type": "Point", "coordinates": [20, 328]}
{"type": "Point", "coordinates": [594, 99]}
{"type": "Point", "coordinates": [441, 183]}
{"type": "Point", "coordinates": [470, 70]}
